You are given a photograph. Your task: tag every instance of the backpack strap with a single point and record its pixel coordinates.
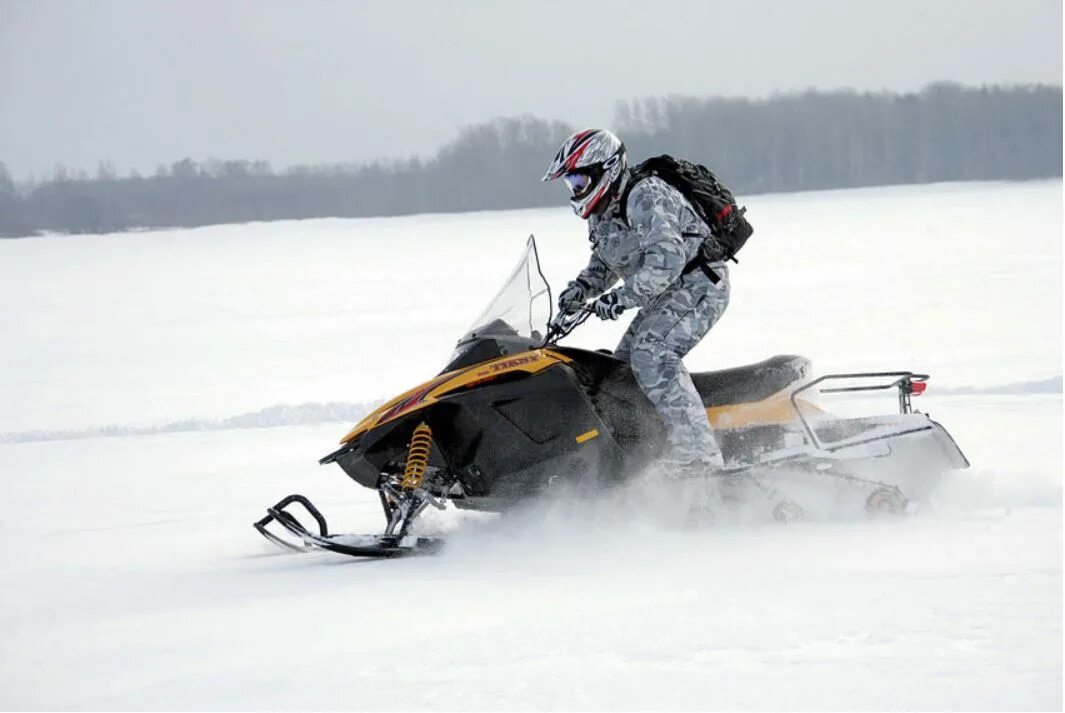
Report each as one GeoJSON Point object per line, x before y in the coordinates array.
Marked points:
{"type": "Point", "coordinates": [649, 168]}
{"type": "Point", "coordinates": [635, 176]}
{"type": "Point", "coordinates": [698, 263]}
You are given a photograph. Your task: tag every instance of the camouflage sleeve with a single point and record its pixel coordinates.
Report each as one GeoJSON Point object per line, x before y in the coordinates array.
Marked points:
{"type": "Point", "coordinates": [596, 277]}
{"type": "Point", "coordinates": [654, 212]}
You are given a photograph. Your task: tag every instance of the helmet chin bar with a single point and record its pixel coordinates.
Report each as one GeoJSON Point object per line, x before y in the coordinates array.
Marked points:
{"type": "Point", "coordinates": [585, 207]}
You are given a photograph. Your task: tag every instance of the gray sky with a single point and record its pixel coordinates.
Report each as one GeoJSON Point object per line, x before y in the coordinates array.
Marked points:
{"type": "Point", "coordinates": [140, 82]}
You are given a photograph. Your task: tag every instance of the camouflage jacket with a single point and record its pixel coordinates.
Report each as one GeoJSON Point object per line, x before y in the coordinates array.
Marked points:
{"type": "Point", "coordinates": [662, 236]}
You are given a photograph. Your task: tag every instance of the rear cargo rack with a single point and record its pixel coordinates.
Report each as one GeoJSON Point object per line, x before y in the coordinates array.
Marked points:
{"type": "Point", "coordinates": [907, 383]}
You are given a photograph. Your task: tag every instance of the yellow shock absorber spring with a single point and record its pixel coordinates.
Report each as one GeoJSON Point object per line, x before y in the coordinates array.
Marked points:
{"type": "Point", "coordinates": [421, 443]}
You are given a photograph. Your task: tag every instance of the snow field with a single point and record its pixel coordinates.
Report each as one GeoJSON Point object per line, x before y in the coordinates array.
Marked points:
{"type": "Point", "coordinates": [133, 579]}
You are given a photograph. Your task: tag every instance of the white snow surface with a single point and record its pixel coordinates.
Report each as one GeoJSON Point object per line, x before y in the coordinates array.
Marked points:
{"type": "Point", "coordinates": [158, 390]}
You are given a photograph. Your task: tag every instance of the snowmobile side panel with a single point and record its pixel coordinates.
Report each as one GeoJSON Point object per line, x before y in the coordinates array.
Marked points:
{"type": "Point", "coordinates": [523, 436]}
{"type": "Point", "coordinates": [505, 439]}
{"type": "Point", "coordinates": [777, 408]}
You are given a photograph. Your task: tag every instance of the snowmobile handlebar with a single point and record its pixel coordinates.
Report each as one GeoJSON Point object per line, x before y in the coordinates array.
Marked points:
{"type": "Point", "coordinates": [564, 323]}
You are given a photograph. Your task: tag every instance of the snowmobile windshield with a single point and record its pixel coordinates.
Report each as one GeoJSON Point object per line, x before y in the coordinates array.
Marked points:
{"type": "Point", "coordinates": [522, 308]}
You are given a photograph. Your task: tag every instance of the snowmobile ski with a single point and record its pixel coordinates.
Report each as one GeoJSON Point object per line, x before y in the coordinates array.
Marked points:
{"type": "Point", "coordinates": [347, 544]}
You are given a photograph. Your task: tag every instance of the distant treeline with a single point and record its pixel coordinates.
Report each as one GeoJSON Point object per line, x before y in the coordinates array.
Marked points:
{"type": "Point", "coordinates": [813, 140]}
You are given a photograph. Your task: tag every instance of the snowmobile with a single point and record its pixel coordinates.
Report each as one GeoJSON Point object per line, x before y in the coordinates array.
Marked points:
{"type": "Point", "coordinates": [514, 415]}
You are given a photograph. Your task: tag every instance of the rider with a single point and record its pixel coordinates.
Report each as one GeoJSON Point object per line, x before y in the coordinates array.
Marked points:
{"type": "Point", "coordinates": [652, 244]}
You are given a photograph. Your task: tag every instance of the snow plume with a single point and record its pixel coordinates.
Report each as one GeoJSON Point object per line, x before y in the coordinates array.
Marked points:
{"type": "Point", "coordinates": [652, 511]}
{"type": "Point", "coordinates": [990, 489]}
{"type": "Point", "coordinates": [270, 417]}
{"type": "Point", "coordinates": [655, 511]}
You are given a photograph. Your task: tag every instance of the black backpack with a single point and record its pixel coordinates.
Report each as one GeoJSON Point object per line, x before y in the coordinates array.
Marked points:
{"type": "Point", "coordinates": [711, 199]}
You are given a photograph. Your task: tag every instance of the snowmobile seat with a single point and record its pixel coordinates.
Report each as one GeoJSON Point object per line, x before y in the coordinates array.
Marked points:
{"type": "Point", "coordinates": [750, 383]}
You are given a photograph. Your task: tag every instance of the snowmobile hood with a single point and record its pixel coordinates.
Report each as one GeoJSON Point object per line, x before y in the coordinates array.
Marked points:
{"type": "Point", "coordinates": [430, 392]}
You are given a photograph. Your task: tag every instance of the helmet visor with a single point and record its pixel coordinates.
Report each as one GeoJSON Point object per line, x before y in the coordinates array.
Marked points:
{"type": "Point", "coordinates": [578, 183]}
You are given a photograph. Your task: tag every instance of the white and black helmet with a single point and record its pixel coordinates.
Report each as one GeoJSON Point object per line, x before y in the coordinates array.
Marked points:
{"type": "Point", "coordinates": [591, 162]}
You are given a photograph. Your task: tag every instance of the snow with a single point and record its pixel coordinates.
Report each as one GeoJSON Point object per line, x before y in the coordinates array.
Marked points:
{"type": "Point", "coordinates": [159, 389]}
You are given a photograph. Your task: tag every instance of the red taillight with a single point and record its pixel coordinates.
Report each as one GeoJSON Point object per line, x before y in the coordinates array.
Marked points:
{"type": "Point", "coordinates": [917, 387]}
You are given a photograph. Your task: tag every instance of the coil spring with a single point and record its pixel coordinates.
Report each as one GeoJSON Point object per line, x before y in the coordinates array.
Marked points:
{"type": "Point", "coordinates": [421, 443]}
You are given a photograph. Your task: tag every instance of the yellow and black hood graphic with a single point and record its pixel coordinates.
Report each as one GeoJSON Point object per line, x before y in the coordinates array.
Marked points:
{"type": "Point", "coordinates": [430, 392]}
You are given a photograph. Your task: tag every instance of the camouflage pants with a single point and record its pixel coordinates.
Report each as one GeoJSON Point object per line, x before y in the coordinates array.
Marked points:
{"type": "Point", "coordinates": [660, 335]}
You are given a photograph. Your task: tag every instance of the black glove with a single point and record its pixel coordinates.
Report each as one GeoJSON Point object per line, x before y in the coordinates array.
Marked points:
{"type": "Point", "coordinates": [572, 298]}
{"type": "Point", "coordinates": [608, 306]}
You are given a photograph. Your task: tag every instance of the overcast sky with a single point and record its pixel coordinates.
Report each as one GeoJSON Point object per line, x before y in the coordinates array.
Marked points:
{"type": "Point", "coordinates": [141, 82]}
